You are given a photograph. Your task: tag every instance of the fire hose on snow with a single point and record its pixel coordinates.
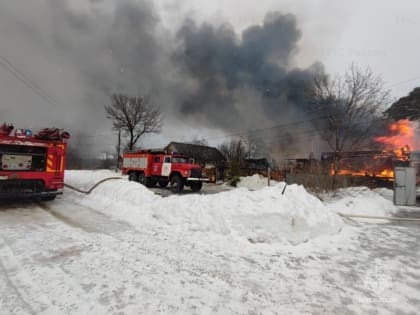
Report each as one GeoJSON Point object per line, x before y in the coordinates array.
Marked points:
{"type": "Point", "coordinates": [87, 192]}
{"type": "Point", "coordinates": [359, 216]}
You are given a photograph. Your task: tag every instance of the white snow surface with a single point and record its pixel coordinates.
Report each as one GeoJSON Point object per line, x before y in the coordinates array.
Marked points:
{"type": "Point", "coordinates": [263, 216]}
{"type": "Point", "coordinates": [255, 182]}
{"type": "Point", "coordinates": [125, 250]}
{"type": "Point", "coordinates": [361, 201]}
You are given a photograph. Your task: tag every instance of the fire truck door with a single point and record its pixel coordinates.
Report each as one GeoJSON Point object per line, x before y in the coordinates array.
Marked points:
{"type": "Point", "coordinates": [166, 167]}
{"type": "Point", "coordinates": [157, 165]}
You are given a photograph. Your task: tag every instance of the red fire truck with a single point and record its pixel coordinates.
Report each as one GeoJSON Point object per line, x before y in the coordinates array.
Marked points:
{"type": "Point", "coordinates": [32, 165]}
{"type": "Point", "coordinates": [149, 167]}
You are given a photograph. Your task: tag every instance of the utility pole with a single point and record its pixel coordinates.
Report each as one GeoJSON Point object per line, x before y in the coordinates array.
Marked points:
{"type": "Point", "coordinates": [118, 151]}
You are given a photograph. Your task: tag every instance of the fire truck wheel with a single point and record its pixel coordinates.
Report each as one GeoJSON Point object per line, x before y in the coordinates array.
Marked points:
{"type": "Point", "coordinates": [142, 179]}
{"type": "Point", "coordinates": [176, 184]}
{"type": "Point", "coordinates": [196, 186]}
{"type": "Point", "coordinates": [151, 183]}
{"type": "Point", "coordinates": [163, 183]}
{"type": "Point", "coordinates": [133, 177]}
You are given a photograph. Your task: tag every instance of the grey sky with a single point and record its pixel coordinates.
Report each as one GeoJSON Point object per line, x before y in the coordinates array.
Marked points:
{"type": "Point", "coordinates": [60, 46]}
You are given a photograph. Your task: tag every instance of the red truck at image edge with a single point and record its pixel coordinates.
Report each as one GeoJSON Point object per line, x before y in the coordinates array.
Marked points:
{"type": "Point", "coordinates": [32, 165]}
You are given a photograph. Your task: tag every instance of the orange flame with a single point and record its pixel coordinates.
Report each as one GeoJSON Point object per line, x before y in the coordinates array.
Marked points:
{"type": "Point", "coordinates": [387, 173]}
{"type": "Point", "coordinates": [402, 134]}
{"type": "Point", "coordinates": [399, 141]}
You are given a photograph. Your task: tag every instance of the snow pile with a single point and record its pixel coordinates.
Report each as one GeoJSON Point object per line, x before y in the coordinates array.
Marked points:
{"type": "Point", "coordinates": [258, 216]}
{"type": "Point", "coordinates": [386, 193]}
{"type": "Point", "coordinates": [361, 200]}
{"type": "Point", "coordinates": [255, 182]}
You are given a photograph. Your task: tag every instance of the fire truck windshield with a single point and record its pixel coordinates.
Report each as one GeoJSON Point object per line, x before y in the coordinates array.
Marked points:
{"type": "Point", "coordinates": [179, 159]}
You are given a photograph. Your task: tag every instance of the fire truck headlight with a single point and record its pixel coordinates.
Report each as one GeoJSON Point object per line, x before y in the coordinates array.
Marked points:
{"type": "Point", "coordinates": [187, 173]}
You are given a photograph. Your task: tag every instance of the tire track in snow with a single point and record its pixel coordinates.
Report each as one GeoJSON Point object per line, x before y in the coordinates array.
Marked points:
{"type": "Point", "coordinates": [108, 257]}
{"type": "Point", "coordinates": [32, 298]}
{"type": "Point", "coordinates": [44, 258]}
{"type": "Point", "coordinates": [157, 254]}
{"type": "Point", "coordinates": [75, 216]}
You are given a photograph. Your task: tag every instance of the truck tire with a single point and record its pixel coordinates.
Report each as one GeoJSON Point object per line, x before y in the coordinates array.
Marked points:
{"type": "Point", "coordinates": [142, 179]}
{"type": "Point", "coordinates": [151, 183]}
{"type": "Point", "coordinates": [133, 177]}
{"type": "Point", "coordinates": [177, 184]}
{"type": "Point", "coordinates": [163, 183]}
{"type": "Point", "coordinates": [195, 187]}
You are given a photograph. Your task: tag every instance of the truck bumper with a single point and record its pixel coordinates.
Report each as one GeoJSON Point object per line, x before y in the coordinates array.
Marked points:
{"type": "Point", "coordinates": [28, 195]}
{"type": "Point", "coordinates": [201, 179]}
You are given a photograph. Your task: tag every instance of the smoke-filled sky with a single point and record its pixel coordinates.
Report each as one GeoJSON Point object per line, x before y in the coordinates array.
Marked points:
{"type": "Point", "coordinates": [214, 67]}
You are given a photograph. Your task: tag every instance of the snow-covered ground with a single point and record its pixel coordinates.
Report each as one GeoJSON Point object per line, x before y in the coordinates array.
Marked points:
{"type": "Point", "coordinates": [361, 201]}
{"type": "Point", "coordinates": [125, 250]}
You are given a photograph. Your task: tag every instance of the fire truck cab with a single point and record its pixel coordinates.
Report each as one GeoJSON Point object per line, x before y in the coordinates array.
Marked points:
{"type": "Point", "coordinates": [149, 167]}
{"type": "Point", "coordinates": [31, 165]}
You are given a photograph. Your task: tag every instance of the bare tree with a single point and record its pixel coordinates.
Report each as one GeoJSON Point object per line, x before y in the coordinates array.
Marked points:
{"type": "Point", "coordinates": [234, 150]}
{"type": "Point", "coordinates": [257, 147]}
{"type": "Point", "coordinates": [135, 116]}
{"type": "Point", "coordinates": [352, 104]}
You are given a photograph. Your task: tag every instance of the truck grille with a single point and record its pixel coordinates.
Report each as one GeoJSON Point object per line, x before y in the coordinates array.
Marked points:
{"type": "Point", "coordinates": [196, 173]}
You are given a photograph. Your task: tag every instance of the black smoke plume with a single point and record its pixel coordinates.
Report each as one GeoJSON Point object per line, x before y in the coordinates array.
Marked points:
{"type": "Point", "coordinates": [240, 78]}
{"type": "Point", "coordinates": [200, 74]}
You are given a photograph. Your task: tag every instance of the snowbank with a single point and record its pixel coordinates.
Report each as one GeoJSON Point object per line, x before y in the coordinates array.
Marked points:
{"type": "Point", "coordinates": [255, 182]}
{"type": "Point", "coordinates": [361, 200]}
{"type": "Point", "coordinates": [258, 216]}
{"type": "Point", "coordinates": [385, 192]}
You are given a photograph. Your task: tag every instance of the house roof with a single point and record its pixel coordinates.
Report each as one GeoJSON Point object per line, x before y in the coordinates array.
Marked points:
{"type": "Point", "coordinates": [261, 163]}
{"type": "Point", "coordinates": [196, 151]}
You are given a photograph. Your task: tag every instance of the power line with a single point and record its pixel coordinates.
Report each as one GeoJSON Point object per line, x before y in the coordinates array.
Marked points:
{"type": "Point", "coordinates": [25, 77]}
{"type": "Point", "coordinates": [250, 131]}
{"type": "Point", "coordinates": [26, 81]}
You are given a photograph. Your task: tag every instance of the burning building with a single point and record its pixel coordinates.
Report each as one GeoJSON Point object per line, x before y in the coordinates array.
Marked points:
{"type": "Point", "coordinates": [400, 140]}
